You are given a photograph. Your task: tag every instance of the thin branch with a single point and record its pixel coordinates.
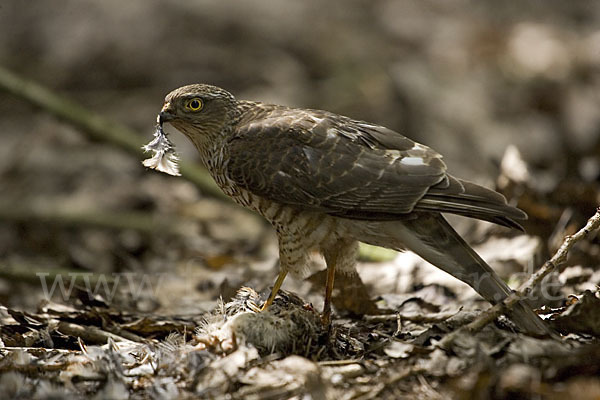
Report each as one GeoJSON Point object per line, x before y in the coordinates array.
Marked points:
{"type": "Point", "coordinates": [90, 334]}
{"type": "Point", "coordinates": [135, 220]}
{"type": "Point", "coordinates": [116, 330]}
{"type": "Point", "coordinates": [338, 363]}
{"type": "Point", "coordinates": [30, 273]}
{"type": "Point", "coordinates": [95, 126]}
{"type": "Point", "coordinates": [559, 258]}
{"type": "Point", "coordinates": [412, 317]}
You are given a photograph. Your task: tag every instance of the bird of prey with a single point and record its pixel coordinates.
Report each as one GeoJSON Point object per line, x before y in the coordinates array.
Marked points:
{"type": "Point", "coordinates": [326, 182]}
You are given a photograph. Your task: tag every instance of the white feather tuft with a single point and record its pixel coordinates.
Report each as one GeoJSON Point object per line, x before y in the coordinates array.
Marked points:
{"type": "Point", "coordinates": [164, 158]}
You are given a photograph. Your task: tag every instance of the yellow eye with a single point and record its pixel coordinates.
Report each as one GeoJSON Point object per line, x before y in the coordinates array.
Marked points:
{"type": "Point", "coordinates": [194, 104]}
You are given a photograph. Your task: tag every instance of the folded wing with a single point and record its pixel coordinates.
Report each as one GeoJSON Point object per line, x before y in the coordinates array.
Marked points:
{"type": "Point", "coordinates": [352, 169]}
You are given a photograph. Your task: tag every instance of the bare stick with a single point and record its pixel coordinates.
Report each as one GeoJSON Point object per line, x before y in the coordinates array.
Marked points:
{"type": "Point", "coordinates": [556, 261]}
{"type": "Point", "coordinates": [413, 317]}
{"type": "Point", "coordinates": [90, 334]}
{"type": "Point", "coordinates": [135, 220]}
{"type": "Point", "coordinates": [95, 126]}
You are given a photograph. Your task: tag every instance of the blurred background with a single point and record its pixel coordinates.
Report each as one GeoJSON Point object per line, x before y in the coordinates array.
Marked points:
{"type": "Point", "coordinates": [93, 246]}
{"type": "Point", "coordinates": [468, 78]}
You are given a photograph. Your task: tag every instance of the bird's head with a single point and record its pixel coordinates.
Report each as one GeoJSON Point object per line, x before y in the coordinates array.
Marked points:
{"type": "Point", "coordinates": [202, 112]}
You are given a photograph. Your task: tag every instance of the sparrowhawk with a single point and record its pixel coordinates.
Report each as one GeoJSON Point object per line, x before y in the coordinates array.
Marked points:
{"type": "Point", "coordinates": [326, 182]}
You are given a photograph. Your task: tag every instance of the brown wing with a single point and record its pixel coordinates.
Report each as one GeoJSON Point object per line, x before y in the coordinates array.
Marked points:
{"type": "Point", "coordinates": [325, 162]}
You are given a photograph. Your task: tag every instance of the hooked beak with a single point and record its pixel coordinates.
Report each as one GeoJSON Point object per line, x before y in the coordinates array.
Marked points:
{"type": "Point", "coordinates": [165, 115]}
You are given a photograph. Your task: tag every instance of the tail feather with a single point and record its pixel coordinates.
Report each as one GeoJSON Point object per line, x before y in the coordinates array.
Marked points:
{"type": "Point", "coordinates": [432, 238]}
{"type": "Point", "coordinates": [465, 198]}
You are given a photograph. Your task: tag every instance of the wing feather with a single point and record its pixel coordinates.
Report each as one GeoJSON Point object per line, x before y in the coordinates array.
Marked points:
{"type": "Point", "coordinates": [344, 167]}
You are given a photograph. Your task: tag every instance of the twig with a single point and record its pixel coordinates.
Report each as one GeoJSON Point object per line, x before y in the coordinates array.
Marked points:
{"type": "Point", "coordinates": [116, 330]}
{"type": "Point", "coordinates": [90, 334]}
{"type": "Point", "coordinates": [412, 317]}
{"type": "Point", "coordinates": [95, 126]}
{"type": "Point", "coordinates": [556, 261]}
{"type": "Point", "coordinates": [138, 221]}
{"type": "Point", "coordinates": [31, 273]}
{"type": "Point", "coordinates": [338, 363]}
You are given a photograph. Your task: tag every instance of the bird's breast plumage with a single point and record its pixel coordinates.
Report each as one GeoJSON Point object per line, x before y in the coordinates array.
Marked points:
{"type": "Point", "coordinates": [299, 231]}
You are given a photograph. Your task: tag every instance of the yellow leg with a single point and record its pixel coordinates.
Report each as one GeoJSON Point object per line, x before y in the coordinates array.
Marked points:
{"type": "Point", "coordinates": [276, 287]}
{"type": "Point", "coordinates": [326, 317]}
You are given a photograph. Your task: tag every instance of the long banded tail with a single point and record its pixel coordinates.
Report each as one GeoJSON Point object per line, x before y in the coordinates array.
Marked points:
{"type": "Point", "coordinates": [432, 238]}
